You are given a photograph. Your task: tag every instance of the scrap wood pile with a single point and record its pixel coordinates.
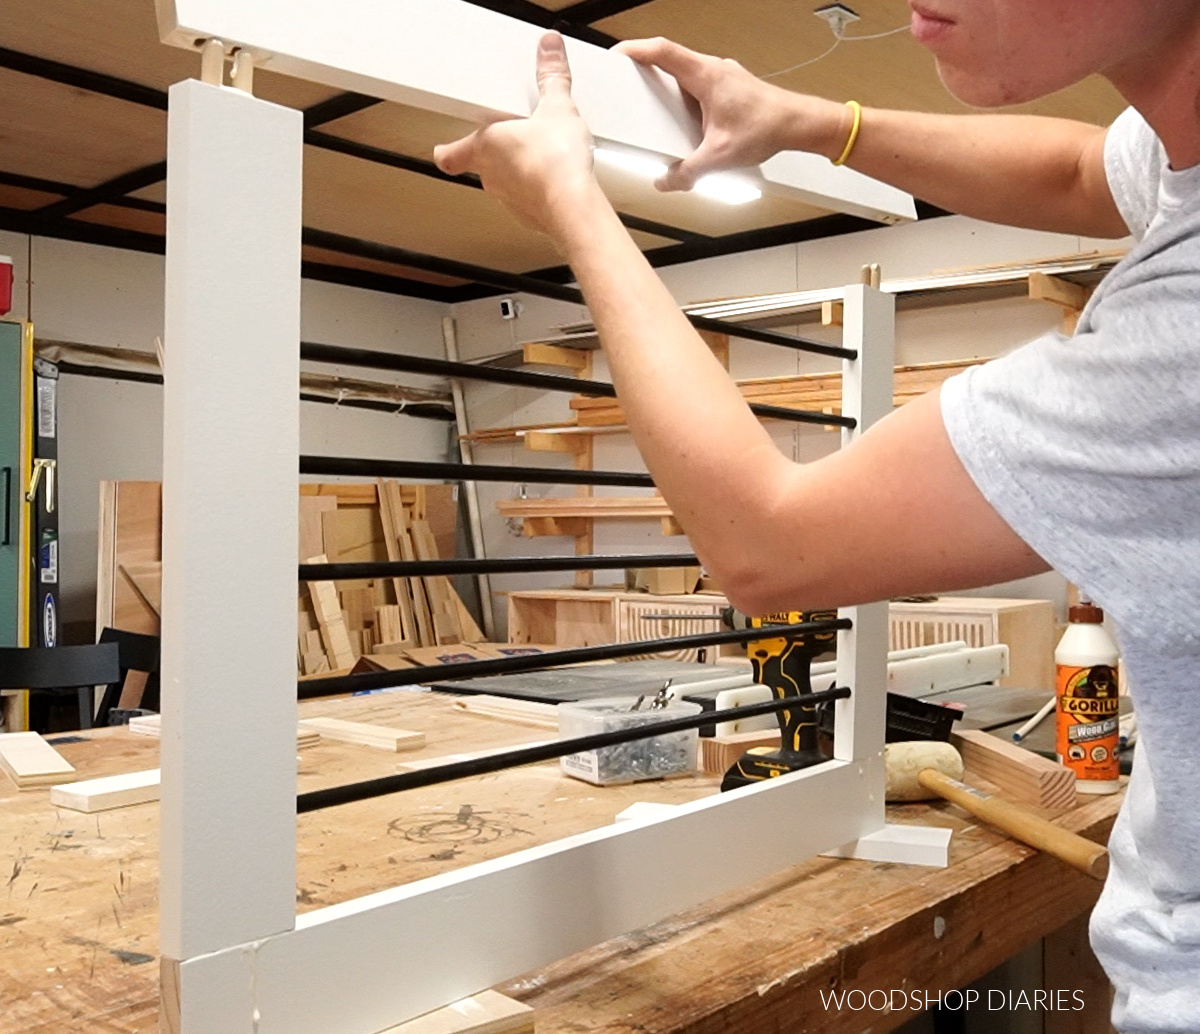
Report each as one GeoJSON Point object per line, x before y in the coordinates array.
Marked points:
{"type": "Point", "coordinates": [390, 622]}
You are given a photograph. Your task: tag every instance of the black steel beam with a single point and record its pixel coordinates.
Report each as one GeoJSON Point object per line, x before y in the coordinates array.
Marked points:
{"type": "Point", "coordinates": [585, 12]}
{"type": "Point", "coordinates": [435, 264]}
{"type": "Point", "coordinates": [541, 288]}
{"type": "Point", "coordinates": [347, 793]}
{"type": "Point", "coordinates": [494, 565]}
{"type": "Point", "coordinates": [105, 193]}
{"type": "Point", "coordinates": [337, 684]}
{"type": "Point", "coordinates": [81, 78]}
{"type": "Point", "coordinates": [339, 466]}
{"type": "Point", "coordinates": [341, 356]}
{"type": "Point", "coordinates": [337, 107]}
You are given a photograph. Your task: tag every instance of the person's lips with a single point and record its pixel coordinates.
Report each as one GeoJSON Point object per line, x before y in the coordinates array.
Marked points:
{"type": "Point", "coordinates": [927, 25]}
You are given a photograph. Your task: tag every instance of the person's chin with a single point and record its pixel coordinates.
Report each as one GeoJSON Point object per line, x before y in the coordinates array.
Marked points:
{"type": "Point", "coordinates": [980, 91]}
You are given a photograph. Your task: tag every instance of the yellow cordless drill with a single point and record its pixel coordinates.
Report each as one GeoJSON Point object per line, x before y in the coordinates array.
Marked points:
{"type": "Point", "coordinates": [782, 665]}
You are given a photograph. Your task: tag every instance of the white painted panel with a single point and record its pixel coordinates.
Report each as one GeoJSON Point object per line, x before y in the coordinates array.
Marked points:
{"type": "Point", "coordinates": [355, 968]}
{"type": "Point", "coordinates": [229, 508]}
{"type": "Point", "coordinates": [869, 327]}
{"type": "Point", "coordinates": [462, 60]}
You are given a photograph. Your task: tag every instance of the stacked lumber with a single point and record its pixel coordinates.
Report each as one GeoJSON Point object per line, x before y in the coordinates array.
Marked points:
{"type": "Point", "coordinates": [341, 622]}
{"type": "Point", "coordinates": [31, 763]}
{"type": "Point", "coordinates": [1015, 771]}
{"type": "Point", "coordinates": [341, 522]}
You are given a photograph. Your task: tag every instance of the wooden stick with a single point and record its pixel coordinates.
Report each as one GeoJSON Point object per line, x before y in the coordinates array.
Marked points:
{"type": "Point", "coordinates": [1076, 851]}
{"type": "Point", "coordinates": [388, 502]}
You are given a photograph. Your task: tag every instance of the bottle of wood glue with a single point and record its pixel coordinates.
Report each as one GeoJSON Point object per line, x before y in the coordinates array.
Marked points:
{"type": "Point", "coordinates": [1088, 707]}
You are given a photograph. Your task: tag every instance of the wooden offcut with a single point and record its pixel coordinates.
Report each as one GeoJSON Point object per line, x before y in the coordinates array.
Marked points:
{"type": "Point", "coordinates": [1015, 771]}
{"type": "Point", "coordinates": [119, 791]}
{"type": "Point", "coordinates": [719, 753]}
{"type": "Point", "coordinates": [380, 736]}
{"type": "Point", "coordinates": [31, 763]}
{"type": "Point", "coordinates": [509, 709]}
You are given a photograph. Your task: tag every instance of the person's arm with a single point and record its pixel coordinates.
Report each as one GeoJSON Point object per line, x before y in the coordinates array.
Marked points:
{"type": "Point", "coordinates": [1020, 170]}
{"type": "Point", "coordinates": [893, 513]}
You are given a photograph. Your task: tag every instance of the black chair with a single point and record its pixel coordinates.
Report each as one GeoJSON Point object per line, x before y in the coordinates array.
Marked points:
{"type": "Point", "coordinates": [138, 652]}
{"type": "Point", "coordinates": [61, 670]}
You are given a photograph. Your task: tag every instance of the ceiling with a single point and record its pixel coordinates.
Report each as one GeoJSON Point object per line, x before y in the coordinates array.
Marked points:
{"type": "Point", "coordinates": [83, 139]}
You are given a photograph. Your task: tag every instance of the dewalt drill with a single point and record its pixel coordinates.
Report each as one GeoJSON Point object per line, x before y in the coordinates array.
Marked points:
{"type": "Point", "coordinates": [782, 665]}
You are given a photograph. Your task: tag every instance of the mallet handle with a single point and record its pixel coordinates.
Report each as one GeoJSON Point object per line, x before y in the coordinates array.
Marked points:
{"type": "Point", "coordinates": [1076, 851]}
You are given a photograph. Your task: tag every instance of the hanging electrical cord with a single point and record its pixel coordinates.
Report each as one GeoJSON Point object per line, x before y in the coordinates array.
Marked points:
{"type": "Point", "coordinates": [839, 39]}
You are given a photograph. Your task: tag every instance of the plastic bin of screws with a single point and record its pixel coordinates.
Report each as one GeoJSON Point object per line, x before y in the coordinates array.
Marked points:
{"type": "Point", "coordinates": [656, 757]}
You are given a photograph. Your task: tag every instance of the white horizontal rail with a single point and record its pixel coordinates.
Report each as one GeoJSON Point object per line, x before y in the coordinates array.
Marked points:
{"type": "Point", "coordinates": [461, 60]}
{"type": "Point", "coordinates": [361, 966]}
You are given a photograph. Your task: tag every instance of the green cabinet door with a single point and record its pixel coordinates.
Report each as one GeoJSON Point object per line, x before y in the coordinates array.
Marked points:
{"type": "Point", "coordinates": [11, 488]}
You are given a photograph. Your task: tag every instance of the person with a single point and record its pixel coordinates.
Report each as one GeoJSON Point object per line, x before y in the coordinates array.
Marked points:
{"type": "Point", "coordinates": [1082, 453]}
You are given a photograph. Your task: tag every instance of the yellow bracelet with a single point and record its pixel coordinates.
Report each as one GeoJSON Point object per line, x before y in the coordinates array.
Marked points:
{"type": "Point", "coordinates": [856, 108]}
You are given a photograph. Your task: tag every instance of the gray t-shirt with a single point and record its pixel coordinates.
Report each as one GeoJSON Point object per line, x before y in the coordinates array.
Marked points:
{"type": "Point", "coordinates": [1089, 447]}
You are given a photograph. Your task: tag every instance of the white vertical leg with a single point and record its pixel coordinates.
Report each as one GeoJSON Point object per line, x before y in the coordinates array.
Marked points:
{"type": "Point", "coordinates": [869, 323]}
{"type": "Point", "coordinates": [231, 437]}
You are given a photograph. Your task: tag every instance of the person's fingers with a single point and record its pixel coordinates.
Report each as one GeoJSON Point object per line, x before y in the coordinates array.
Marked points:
{"type": "Point", "coordinates": [683, 174]}
{"type": "Point", "coordinates": [553, 72]}
{"type": "Point", "coordinates": [679, 176]}
{"type": "Point", "coordinates": [456, 158]}
{"type": "Point", "coordinates": [666, 54]}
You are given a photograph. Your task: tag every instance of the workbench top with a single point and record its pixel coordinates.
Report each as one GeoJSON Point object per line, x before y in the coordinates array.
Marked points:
{"type": "Point", "coordinates": [78, 916]}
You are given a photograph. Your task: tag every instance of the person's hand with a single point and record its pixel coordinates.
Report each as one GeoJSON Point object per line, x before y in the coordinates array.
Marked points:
{"type": "Point", "coordinates": [540, 168]}
{"type": "Point", "coordinates": [745, 120]}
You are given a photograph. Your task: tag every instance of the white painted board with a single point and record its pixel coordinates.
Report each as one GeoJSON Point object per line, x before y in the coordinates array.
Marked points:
{"type": "Point", "coordinates": [458, 59]}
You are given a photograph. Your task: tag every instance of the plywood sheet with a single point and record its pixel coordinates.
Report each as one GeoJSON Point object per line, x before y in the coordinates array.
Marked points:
{"type": "Point", "coordinates": [771, 35]}
{"type": "Point", "coordinates": [60, 133]}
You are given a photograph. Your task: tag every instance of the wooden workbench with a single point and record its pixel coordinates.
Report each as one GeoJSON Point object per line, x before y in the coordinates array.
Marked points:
{"type": "Point", "coordinates": [78, 915]}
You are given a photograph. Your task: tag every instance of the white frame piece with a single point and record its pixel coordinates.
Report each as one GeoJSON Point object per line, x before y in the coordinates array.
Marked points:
{"type": "Point", "coordinates": [458, 59]}
{"type": "Point", "coordinates": [237, 959]}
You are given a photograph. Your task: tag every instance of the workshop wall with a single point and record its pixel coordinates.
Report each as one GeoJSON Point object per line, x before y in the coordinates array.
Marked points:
{"type": "Point", "coordinates": [958, 331]}
{"type": "Point", "coordinates": [113, 429]}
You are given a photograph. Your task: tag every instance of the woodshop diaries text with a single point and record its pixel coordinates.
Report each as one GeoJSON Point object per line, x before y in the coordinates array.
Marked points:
{"type": "Point", "coordinates": [954, 1001]}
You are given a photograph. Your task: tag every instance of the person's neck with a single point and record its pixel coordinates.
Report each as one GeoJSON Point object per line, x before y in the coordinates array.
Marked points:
{"type": "Point", "coordinates": [1164, 86]}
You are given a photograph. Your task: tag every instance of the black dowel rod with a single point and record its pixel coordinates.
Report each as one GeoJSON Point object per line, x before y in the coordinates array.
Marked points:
{"type": "Point", "coordinates": [337, 466]}
{"type": "Point", "coordinates": [315, 800]}
{"type": "Point", "coordinates": [337, 684]}
{"type": "Point", "coordinates": [363, 357]}
{"type": "Point", "coordinates": [496, 565]}
{"type": "Point", "coordinates": [771, 337]}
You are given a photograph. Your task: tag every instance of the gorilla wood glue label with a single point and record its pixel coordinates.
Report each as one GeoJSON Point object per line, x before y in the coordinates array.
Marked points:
{"type": "Point", "coordinates": [1088, 706]}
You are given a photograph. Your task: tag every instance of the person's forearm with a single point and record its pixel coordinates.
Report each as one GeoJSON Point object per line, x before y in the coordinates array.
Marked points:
{"type": "Point", "coordinates": [708, 454]}
{"type": "Point", "coordinates": [1019, 170]}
